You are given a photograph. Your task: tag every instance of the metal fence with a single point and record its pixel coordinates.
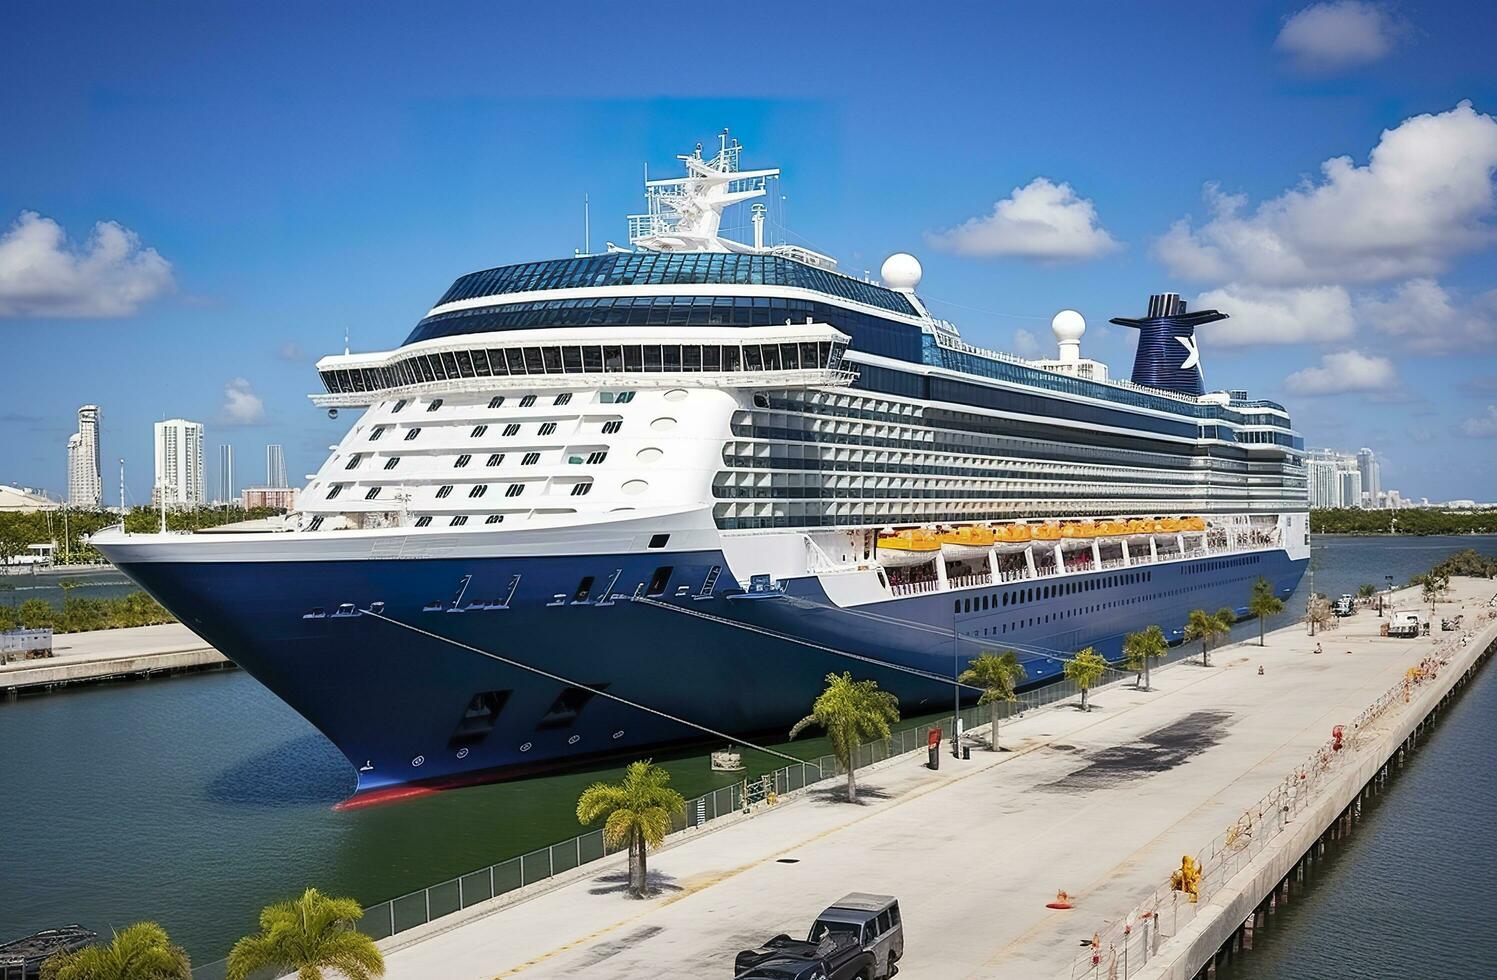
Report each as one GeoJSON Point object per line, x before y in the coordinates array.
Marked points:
{"type": "Point", "coordinates": [425, 905]}
{"type": "Point", "coordinates": [1126, 945]}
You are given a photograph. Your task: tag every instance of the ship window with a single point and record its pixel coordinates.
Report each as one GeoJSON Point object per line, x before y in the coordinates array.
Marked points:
{"type": "Point", "coordinates": [391, 463]}
{"type": "Point", "coordinates": [495, 459]}
{"type": "Point", "coordinates": [496, 401]}
{"type": "Point", "coordinates": [353, 461]}
{"type": "Point", "coordinates": [463, 460]}
{"type": "Point", "coordinates": [478, 431]}
{"type": "Point", "coordinates": [563, 398]}
{"type": "Point", "coordinates": [444, 491]}
{"type": "Point", "coordinates": [632, 358]}
{"type": "Point", "coordinates": [423, 520]}
{"type": "Point", "coordinates": [592, 360]}
{"type": "Point", "coordinates": [513, 429]}
{"type": "Point", "coordinates": [571, 360]}
{"type": "Point", "coordinates": [568, 705]}
{"type": "Point", "coordinates": [478, 719]}
{"type": "Point", "coordinates": [613, 359]}
{"type": "Point", "coordinates": [514, 490]}
{"type": "Point", "coordinates": [659, 580]}
{"type": "Point", "coordinates": [584, 587]}
{"type": "Point", "coordinates": [398, 406]}
{"type": "Point", "coordinates": [547, 428]}
{"type": "Point", "coordinates": [373, 493]}
{"type": "Point", "coordinates": [609, 428]}
{"type": "Point", "coordinates": [413, 433]}
{"type": "Point", "coordinates": [530, 459]}
{"type": "Point", "coordinates": [659, 540]}
{"type": "Point", "coordinates": [479, 490]}
{"type": "Point", "coordinates": [494, 519]}
{"type": "Point", "coordinates": [597, 457]}
{"type": "Point", "coordinates": [337, 489]}
{"type": "Point", "coordinates": [315, 525]}
{"type": "Point", "coordinates": [581, 489]}
{"type": "Point", "coordinates": [436, 403]}
{"type": "Point", "coordinates": [527, 401]}
{"type": "Point", "coordinates": [379, 430]}
{"type": "Point", "coordinates": [458, 521]}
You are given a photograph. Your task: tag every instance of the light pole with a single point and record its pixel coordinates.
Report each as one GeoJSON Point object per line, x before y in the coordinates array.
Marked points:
{"type": "Point", "coordinates": [956, 690]}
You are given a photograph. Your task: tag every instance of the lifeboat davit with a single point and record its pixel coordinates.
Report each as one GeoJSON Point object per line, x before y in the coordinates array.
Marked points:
{"type": "Point", "coordinates": [966, 542]}
{"type": "Point", "coordinates": [1009, 538]}
{"type": "Point", "coordinates": [907, 548]}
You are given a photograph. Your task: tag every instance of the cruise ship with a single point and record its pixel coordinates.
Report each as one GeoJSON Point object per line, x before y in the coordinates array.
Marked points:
{"type": "Point", "coordinates": [597, 504]}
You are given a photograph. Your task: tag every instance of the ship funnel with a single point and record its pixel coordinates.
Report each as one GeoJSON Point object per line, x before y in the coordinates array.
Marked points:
{"type": "Point", "coordinates": [1167, 354]}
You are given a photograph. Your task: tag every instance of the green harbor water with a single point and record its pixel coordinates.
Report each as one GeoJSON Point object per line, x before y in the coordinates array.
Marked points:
{"type": "Point", "coordinates": [196, 800]}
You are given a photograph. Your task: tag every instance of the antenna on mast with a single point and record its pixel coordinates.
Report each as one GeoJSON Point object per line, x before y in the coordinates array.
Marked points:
{"type": "Point", "coordinates": [122, 491]}
{"type": "Point", "coordinates": [345, 338]}
{"type": "Point", "coordinates": [587, 227]}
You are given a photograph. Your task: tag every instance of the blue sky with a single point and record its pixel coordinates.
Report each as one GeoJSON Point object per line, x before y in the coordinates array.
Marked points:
{"type": "Point", "coordinates": [272, 174]}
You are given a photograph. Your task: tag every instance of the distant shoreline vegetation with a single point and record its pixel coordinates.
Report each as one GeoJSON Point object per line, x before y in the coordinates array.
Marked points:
{"type": "Point", "coordinates": [1413, 520]}
{"type": "Point", "coordinates": [78, 615]}
{"type": "Point", "coordinates": [19, 531]}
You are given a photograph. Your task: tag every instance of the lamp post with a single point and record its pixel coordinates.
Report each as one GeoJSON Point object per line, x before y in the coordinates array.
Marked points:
{"type": "Point", "coordinates": [956, 689]}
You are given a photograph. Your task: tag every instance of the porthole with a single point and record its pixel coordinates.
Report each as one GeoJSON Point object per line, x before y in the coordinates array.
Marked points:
{"type": "Point", "coordinates": [635, 487]}
{"type": "Point", "coordinates": [663, 424]}
{"type": "Point", "coordinates": [649, 454]}
{"type": "Point", "coordinates": [676, 395]}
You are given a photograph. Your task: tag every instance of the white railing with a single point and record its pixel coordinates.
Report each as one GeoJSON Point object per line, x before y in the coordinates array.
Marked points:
{"type": "Point", "coordinates": [914, 588]}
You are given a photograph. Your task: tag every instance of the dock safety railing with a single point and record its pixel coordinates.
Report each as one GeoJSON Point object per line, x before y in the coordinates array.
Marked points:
{"type": "Point", "coordinates": [1123, 947]}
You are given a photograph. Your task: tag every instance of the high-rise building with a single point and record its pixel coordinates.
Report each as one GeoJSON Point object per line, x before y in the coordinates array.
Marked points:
{"type": "Point", "coordinates": [1325, 482]}
{"type": "Point", "coordinates": [226, 491]}
{"type": "Point", "coordinates": [1367, 466]}
{"type": "Point", "coordinates": [1351, 487]}
{"type": "Point", "coordinates": [179, 463]}
{"type": "Point", "coordinates": [275, 466]}
{"type": "Point", "coordinates": [85, 488]}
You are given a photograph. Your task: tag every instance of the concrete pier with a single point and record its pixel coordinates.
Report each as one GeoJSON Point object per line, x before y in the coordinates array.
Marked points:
{"type": "Point", "coordinates": [1099, 804]}
{"type": "Point", "coordinates": [105, 655]}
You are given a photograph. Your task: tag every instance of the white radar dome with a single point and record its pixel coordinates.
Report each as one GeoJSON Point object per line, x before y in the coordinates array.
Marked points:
{"type": "Point", "coordinates": [1068, 325]}
{"type": "Point", "coordinates": [901, 271]}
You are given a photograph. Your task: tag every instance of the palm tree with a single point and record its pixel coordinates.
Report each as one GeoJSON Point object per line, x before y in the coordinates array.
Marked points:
{"type": "Point", "coordinates": [638, 814]}
{"type": "Point", "coordinates": [852, 712]}
{"type": "Point", "coordinates": [998, 675]}
{"type": "Point", "coordinates": [139, 952]}
{"type": "Point", "coordinates": [1140, 648]}
{"type": "Point", "coordinates": [308, 936]}
{"type": "Point", "coordinates": [1205, 627]}
{"type": "Point", "coordinates": [1366, 590]}
{"type": "Point", "coordinates": [1084, 669]}
{"type": "Point", "coordinates": [1432, 586]}
{"type": "Point", "coordinates": [1264, 603]}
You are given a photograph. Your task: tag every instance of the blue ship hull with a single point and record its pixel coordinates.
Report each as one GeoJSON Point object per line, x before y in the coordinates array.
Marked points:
{"type": "Point", "coordinates": [406, 707]}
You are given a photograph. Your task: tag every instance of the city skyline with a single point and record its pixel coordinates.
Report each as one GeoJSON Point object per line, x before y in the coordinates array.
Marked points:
{"type": "Point", "coordinates": [1375, 334]}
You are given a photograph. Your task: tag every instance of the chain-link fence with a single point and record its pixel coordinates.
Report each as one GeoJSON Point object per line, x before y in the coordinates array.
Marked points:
{"type": "Point", "coordinates": [1125, 946]}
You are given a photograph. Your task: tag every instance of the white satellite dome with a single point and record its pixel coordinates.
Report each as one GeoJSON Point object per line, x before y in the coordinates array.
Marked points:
{"type": "Point", "coordinates": [1068, 326]}
{"type": "Point", "coordinates": [901, 271]}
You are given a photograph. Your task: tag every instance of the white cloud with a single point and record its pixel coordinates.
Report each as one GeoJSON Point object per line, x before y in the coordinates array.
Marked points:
{"type": "Point", "coordinates": [1483, 426]}
{"type": "Point", "coordinates": [1026, 344]}
{"type": "Point", "coordinates": [1270, 315]}
{"type": "Point", "coordinates": [1423, 198]}
{"type": "Point", "coordinates": [1427, 318]}
{"type": "Point", "coordinates": [1042, 220]}
{"type": "Point", "coordinates": [1341, 372]}
{"type": "Point", "coordinates": [42, 275]}
{"type": "Point", "coordinates": [241, 405]}
{"type": "Point", "coordinates": [1339, 34]}
{"type": "Point", "coordinates": [292, 351]}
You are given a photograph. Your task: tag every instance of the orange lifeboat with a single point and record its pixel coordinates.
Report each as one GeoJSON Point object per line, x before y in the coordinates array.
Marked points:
{"type": "Point", "coordinates": [1047, 532]}
{"type": "Point", "coordinates": [1077, 534]}
{"type": "Point", "coordinates": [1008, 538]}
{"type": "Point", "coordinates": [1193, 524]}
{"type": "Point", "coordinates": [1140, 531]}
{"type": "Point", "coordinates": [914, 547]}
{"type": "Point", "coordinates": [1171, 525]}
{"type": "Point", "coordinates": [968, 541]}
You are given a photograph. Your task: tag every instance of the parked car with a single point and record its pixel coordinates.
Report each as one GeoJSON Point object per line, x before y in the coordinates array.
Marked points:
{"type": "Point", "coordinates": [874, 920]}
{"type": "Point", "coordinates": [837, 956]}
{"type": "Point", "coordinates": [1345, 606]}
